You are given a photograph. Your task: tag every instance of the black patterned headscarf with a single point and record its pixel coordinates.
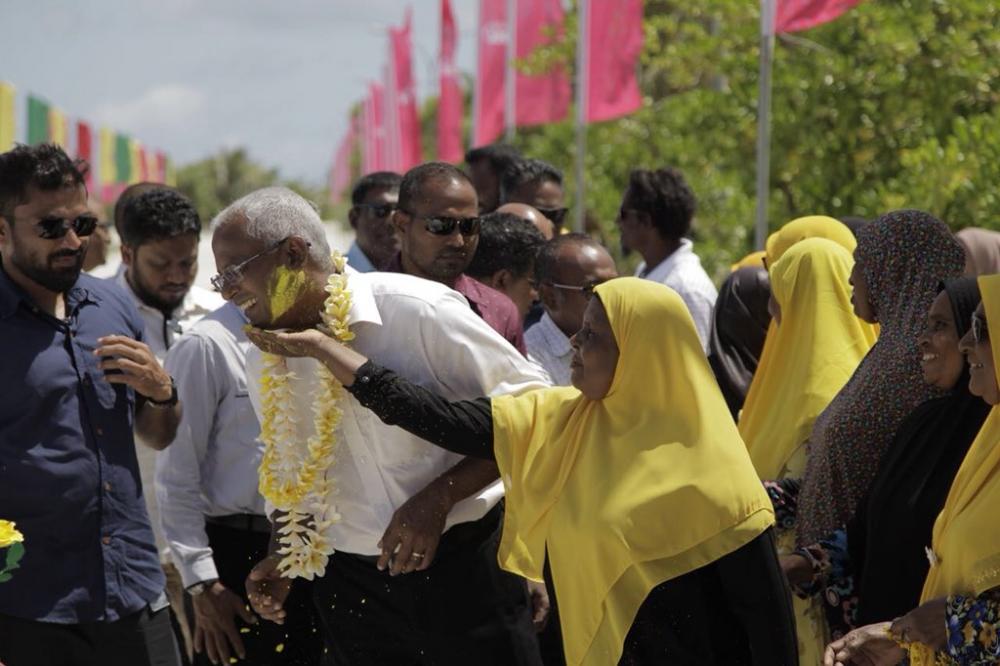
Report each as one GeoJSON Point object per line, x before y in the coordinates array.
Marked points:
{"type": "Point", "coordinates": [903, 256]}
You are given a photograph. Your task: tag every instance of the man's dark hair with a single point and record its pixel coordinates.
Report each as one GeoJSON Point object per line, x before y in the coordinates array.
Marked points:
{"type": "Point", "coordinates": [411, 187]}
{"type": "Point", "coordinates": [133, 190]}
{"type": "Point", "coordinates": [506, 241]}
{"type": "Point", "coordinates": [499, 155]}
{"type": "Point", "coordinates": [547, 258]}
{"type": "Point", "coordinates": [45, 166]}
{"type": "Point", "coordinates": [666, 197]}
{"type": "Point", "coordinates": [527, 171]}
{"type": "Point", "coordinates": [377, 180]}
{"type": "Point", "coordinates": [157, 214]}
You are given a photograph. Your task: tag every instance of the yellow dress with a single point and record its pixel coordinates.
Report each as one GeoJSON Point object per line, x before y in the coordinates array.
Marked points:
{"type": "Point", "coordinates": [807, 358]}
{"type": "Point", "coordinates": [627, 492]}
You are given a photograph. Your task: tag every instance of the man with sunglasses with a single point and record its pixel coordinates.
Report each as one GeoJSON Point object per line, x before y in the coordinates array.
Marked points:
{"type": "Point", "coordinates": [373, 201]}
{"type": "Point", "coordinates": [438, 227]}
{"type": "Point", "coordinates": [75, 380]}
{"type": "Point", "coordinates": [538, 184]}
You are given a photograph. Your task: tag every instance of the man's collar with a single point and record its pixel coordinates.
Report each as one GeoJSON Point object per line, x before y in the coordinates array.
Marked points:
{"type": "Point", "coordinates": [363, 305]}
{"type": "Point", "coordinates": [557, 340]}
{"type": "Point", "coordinates": [12, 295]}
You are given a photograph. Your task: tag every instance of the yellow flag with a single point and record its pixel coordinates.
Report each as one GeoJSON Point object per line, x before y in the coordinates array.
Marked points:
{"type": "Point", "coordinates": [7, 125]}
{"type": "Point", "coordinates": [136, 170]}
{"type": "Point", "coordinates": [107, 156]}
{"type": "Point", "coordinates": [58, 130]}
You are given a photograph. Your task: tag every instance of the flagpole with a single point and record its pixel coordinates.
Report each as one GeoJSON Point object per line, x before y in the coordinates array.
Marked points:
{"type": "Point", "coordinates": [581, 111]}
{"type": "Point", "coordinates": [767, 13]}
{"type": "Point", "coordinates": [510, 78]}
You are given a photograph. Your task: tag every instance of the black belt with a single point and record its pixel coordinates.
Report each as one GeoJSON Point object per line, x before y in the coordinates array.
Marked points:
{"type": "Point", "coordinates": [246, 522]}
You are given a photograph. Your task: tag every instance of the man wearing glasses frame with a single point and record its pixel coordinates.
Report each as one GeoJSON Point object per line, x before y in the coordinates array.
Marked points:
{"type": "Point", "coordinates": [373, 201]}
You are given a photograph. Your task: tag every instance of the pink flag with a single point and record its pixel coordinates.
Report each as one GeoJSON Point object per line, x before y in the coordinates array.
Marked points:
{"type": "Point", "coordinates": [613, 43]}
{"type": "Point", "coordinates": [374, 145]}
{"type": "Point", "coordinates": [340, 177]}
{"type": "Point", "coordinates": [490, 72]}
{"type": "Point", "coordinates": [404, 94]}
{"type": "Point", "coordinates": [449, 127]}
{"type": "Point", "coordinates": [161, 167]}
{"type": "Point", "coordinates": [542, 98]}
{"type": "Point", "coordinates": [796, 15]}
{"type": "Point", "coordinates": [143, 165]}
{"type": "Point", "coordinates": [85, 150]}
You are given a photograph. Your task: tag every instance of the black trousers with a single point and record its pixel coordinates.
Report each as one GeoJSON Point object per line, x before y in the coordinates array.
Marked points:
{"type": "Point", "coordinates": [462, 610]}
{"type": "Point", "coordinates": [735, 611]}
{"type": "Point", "coordinates": [142, 639]}
{"type": "Point", "coordinates": [235, 552]}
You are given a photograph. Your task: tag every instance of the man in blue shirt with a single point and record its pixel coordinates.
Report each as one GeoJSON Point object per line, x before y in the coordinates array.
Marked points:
{"type": "Point", "coordinates": [75, 379]}
{"type": "Point", "coordinates": [373, 201]}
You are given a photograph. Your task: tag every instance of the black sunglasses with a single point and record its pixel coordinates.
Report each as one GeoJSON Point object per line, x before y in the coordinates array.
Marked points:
{"type": "Point", "coordinates": [440, 225]}
{"type": "Point", "coordinates": [380, 210]}
{"type": "Point", "coordinates": [51, 228]}
{"type": "Point", "coordinates": [980, 333]}
{"type": "Point", "coordinates": [557, 215]}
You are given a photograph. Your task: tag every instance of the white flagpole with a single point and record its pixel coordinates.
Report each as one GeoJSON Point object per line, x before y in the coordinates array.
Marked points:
{"type": "Point", "coordinates": [767, 13]}
{"type": "Point", "coordinates": [510, 77]}
{"type": "Point", "coordinates": [581, 110]}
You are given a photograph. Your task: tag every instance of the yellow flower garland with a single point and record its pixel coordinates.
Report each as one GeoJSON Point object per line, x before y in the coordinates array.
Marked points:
{"type": "Point", "coordinates": [294, 481]}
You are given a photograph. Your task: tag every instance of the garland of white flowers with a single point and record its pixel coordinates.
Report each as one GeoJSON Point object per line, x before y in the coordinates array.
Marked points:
{"type": "Point", "coordinates": [292, 479]}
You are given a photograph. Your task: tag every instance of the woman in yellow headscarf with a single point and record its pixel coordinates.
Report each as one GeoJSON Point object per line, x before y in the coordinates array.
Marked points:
{"type": "Point", "coordinates": [635, 485]}
{"type": "Point", "coordinates": [810, 226]}
{"type": "Point", "coordinates": [958, 621]}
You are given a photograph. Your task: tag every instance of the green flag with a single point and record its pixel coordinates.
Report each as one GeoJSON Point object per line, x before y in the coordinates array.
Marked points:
{"type": "Point", "coordinates": [123, 159]}
{"type": "Point", "coordinates": [38, 121]}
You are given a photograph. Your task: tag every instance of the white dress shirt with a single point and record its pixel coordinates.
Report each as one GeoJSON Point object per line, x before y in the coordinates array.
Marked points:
{"type": "Point", "coordinates": [549, 347]}
{"type": "Point", "coordinates": [427, 333]}
{"type": "Point", "coordinates": [682, 272]}
{"type": "Point", "coordinates": [159, 334]}
{"type": "Point", "coordinates": [210, 469]}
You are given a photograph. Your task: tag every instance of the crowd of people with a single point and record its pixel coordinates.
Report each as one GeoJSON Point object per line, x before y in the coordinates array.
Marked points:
{"type": "Point", "coordinates": [470, 440]}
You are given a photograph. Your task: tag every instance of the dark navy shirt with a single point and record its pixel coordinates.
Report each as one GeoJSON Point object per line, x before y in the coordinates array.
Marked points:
{"type": "Point", "coordinates": [68, 471]}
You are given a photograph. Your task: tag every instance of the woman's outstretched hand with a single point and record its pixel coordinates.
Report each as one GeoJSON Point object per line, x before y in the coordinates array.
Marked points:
{"type": "Point", "coordinates": [871, 645]}
{"type": "Point", "coordinates": [294, 344]}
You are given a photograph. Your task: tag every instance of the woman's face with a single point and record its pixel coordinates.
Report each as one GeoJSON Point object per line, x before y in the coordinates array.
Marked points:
{"type": "Point", "coordinates": [940, 359]}
{"type": "Point", "coordinates": [595, 353]}
{"type": "Point", "coordinates": [860, 298]}
{"type": "Point", "coordinates": [979, 353]}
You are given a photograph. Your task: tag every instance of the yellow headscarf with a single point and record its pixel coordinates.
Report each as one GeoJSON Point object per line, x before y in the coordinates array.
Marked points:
{"type": "Point", "coordinates": [812, 226]}
{"type": "Point", "coordinates": [649, 483]}
{"type": "Point", "coordinates": [752, 260]}
{"type": "Point", "coordinates": [966, 539]}
{"type": "Point", "coordinates": [807, 358]}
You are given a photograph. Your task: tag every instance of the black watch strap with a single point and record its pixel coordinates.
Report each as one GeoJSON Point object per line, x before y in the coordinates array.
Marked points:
{"type": "Point", "coordinates": [169, 402]}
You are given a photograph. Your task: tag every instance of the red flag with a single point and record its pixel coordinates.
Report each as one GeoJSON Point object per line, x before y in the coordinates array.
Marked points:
{"type": "Point", "coordinates": [449, 128]}
{"type": "Point", "coordinates": [612, 87]}
{"type": "Point", "coordinates": [85, 150]}
{"type": "Point", "coordinates": [374, 144]}
{"type": "Point", "coordinates": [796, 15]}
{"type": "Point", "coordinates": [161, 167]}
{"type": "Point", "coordinates": [143, 165]}
{"type": "Point", "coordinates": [407, 123]}
{"type": "Point", "coordinates": [542, 98]}
{"type": "Point", "coordinates": [491, 71]}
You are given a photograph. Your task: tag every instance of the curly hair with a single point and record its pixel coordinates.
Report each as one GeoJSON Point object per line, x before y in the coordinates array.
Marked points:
{"type": "Point", "coordinates": [156, 214]}
{"type": "Point", "coordinates": [666, 197]}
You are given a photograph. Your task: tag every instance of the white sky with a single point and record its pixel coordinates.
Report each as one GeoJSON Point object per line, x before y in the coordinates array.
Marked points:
{"type": "Point", "coordinates": [192, 76]}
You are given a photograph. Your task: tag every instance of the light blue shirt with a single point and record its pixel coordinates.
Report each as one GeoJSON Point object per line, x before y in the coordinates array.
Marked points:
{"type": "Point", "coordinates": [358, 260]}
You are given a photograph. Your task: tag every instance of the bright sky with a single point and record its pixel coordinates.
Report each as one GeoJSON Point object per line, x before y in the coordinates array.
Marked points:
{"type": "Point", "coordinates": [193, 76]}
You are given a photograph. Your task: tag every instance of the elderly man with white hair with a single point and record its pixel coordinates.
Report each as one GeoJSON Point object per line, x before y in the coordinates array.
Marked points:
{"type": "Point", "coordinates": [400, 536]}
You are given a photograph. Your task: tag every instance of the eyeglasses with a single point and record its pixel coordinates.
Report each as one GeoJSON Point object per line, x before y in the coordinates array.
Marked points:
{"type": "Point", "coordinates": [557, 215]}
{"type": "Point", "coordinates": [51, 228]}
{"type": "Point", "coordinates": [234, 274]}
{"type": "Point", "coordinates": [379, 210]}
{"type": "Point", "coordinates": [980, 333]}
{"type": "Point", "coordinates": [587, 290]}
{"type": "Point", "coordinates": [445, 226]}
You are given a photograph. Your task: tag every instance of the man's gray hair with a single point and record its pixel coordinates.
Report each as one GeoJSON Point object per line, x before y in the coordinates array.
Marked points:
{"type": "Point", "coordinates": [274, 213]}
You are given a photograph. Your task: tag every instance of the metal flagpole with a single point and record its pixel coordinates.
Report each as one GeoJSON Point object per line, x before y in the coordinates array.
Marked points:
{"type": "Point", "coordinates": [510, 78]}
{"type": "Point", "coordinates": [581, 111]}
{"type": "Point", "coordinates": [767, 12]}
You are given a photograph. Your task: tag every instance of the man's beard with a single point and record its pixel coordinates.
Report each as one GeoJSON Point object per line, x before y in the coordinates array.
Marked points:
{"type": "Point", "coordinates": [151, 298]}
{"type": "Point", "coordinates": [57, 280]}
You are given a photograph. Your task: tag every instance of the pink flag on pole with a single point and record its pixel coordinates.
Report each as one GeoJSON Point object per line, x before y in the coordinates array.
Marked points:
{"type": "Point", "coordinates": [542, 98]}
{"type": "Point", "coordinates": [490, 72]}
{"type": "Point", "coordinates": [449, 120]}
{"type": "Point", "coordinates": [405, 96]}
{"type": "Point", "coordinates": [374, 145]}
{"type": "Point", "coordinates": [161, 167]}
{"type": "Point", "coordinates": [796, 15]}
{"type": "Point", "coordinates": [340, 177]}
{"type": "Point", "coordinates": [614, 43]}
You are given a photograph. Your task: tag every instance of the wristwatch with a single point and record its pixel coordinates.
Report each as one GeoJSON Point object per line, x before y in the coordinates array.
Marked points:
{"type": "Point", "coordinates": [199, 587]}
{"type": "Point", "coordinates": [169, 402]}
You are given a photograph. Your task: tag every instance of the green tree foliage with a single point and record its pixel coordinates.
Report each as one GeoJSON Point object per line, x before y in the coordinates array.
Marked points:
{"type": "Point", "coordinates": [215, 182]}
{"type": "Point", "coordinates": [894, 104]}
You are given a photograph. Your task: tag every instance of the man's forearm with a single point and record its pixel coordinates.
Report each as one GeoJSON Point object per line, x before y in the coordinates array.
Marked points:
{"type": "Point", "coordinates": [157, 426]}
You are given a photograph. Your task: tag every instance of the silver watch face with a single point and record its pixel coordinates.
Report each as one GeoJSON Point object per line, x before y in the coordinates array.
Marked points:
{"type": "Point", "coordinates": [196, 589]}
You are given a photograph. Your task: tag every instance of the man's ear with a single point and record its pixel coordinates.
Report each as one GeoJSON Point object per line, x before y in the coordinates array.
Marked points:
{"type": "Point", "coordinates": [352, 217]}
{"type": "Point", "coordinates": [5, 230]}
{"type": "Point", "coordinates": [401, 221]}
{"type": "Point", "coordinates": [128, 255]}
{"type": "Point", "coordinates": [296, 252]}
{"type": "Point", "coordinates": [547, 295]}
{"type": "Point", "coordinates": [501, 280]}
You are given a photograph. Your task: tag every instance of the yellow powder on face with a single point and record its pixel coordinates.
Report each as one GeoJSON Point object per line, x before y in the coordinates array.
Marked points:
{"type": "Point", "coordinates": [286, 287]}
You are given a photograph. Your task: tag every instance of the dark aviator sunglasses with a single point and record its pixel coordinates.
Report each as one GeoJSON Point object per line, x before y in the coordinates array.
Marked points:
{"type": "Point", "coordinates": [52, 228]}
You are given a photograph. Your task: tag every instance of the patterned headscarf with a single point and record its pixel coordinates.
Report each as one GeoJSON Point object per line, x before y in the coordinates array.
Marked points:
{"type": "Point", "coordinates": [903, 256]}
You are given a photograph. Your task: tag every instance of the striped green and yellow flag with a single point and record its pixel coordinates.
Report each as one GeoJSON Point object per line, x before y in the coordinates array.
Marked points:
{"type": "Point", "coordinates": [123, 159]}
{"type": "Point", "coordinates": [58, 128]}
{"type": "Point", "coordinates": [107, 156]}
{"type": "Point", "coordinates": [8, 125]}
{"type": "Point", "coordinates": [38, 120]}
